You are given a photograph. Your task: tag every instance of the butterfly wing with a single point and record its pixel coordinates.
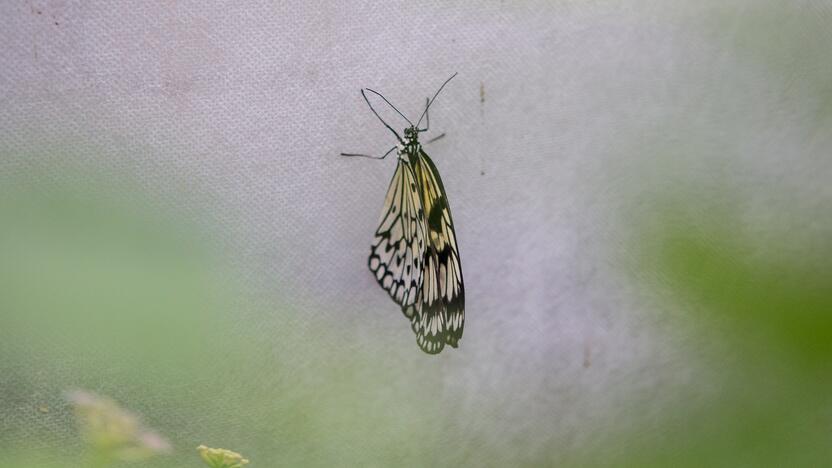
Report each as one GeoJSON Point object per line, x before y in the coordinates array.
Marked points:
{"type": "Point", "coordinates": [438, 316]}
{"type": "Point", "coordinates": [398, 248]}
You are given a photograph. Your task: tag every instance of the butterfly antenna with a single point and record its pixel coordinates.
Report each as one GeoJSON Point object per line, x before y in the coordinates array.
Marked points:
{"type": "Point", "coordinates": [389, 104]}
{"type": "Point", "coordinates": [434, 97]}
{"type": "Point", "coordinates": [379, 117]}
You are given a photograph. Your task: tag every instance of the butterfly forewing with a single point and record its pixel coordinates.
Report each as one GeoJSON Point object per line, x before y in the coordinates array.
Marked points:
{"type": "Point", "coordinates": [398, 248]}
{"type": "Point", "coordinates": [438, 316]}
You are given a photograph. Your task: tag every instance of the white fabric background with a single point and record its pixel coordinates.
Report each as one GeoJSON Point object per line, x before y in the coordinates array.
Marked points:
{"type": "Point", "coordinates": [237, 111]}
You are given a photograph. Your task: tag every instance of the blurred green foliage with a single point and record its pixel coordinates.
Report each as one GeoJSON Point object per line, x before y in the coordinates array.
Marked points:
{"type": "Point", "coordinates": [102, 290]}
{"type": "Point", "coordinates": [764, 315]}
{"type": "Point", "coordinates": [753, 298]}
{"type": "Point", "coordinates": [97, 291]}
{"type": "Point", "coordinates": [780, 295]}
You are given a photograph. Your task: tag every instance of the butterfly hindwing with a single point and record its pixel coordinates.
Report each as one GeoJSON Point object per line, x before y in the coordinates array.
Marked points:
{"type": "Point", "coordinates": [438, 316]}
{"type": "Point", "coordinates": [398, 248]}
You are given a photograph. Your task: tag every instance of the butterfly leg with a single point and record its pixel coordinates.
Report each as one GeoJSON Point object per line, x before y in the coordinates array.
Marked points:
{"type": "Point", "coordinates": [427, 117]}
{"type": "Point", "coordinates": [427, 124]}
{"type": "Point", "coordinates": [368, 156]}
{"type": "Point", "coordinates": [437, 137]}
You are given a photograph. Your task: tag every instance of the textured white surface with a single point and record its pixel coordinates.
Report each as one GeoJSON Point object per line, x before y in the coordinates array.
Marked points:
{"type": "Point", "coordinates": [239, 110]}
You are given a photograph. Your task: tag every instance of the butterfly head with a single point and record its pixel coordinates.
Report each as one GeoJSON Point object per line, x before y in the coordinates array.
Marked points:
{"type": "Point", "coordinates": [411, 134]}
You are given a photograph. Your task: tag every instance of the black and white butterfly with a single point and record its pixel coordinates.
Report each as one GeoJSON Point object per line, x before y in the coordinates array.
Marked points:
{"type": "Point", "coordinates": [414, 254]}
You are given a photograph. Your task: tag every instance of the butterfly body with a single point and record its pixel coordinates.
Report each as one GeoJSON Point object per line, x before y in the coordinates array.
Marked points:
{"type": "Point", "coordinates": [414, 254]}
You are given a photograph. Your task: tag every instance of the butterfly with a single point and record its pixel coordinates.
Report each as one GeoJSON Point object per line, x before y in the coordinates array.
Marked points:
{"type": "Point", "coordinates": [414, 254]}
